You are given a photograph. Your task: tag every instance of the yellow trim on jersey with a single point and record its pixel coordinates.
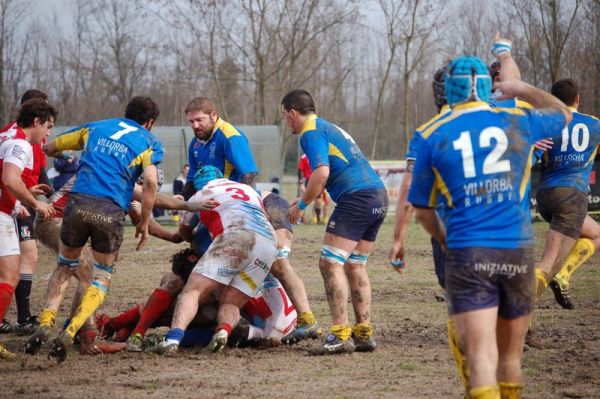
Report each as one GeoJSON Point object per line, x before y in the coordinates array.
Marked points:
{"type": "Point", "coordinates": [441, 185]}
{"type": "Point", "coordinates": [75, 140]}
{"type": "Point", "coordinates": [513, 111]}
{"type": "Point", "coordinates": [144, 159]}
{"type": "Point", "coordinates": [445, 109]}
{"type": "Point", "coordinates": [334, 151]}
{"type": "Point", "coordinates": [527, 174]}
{"type": "Point", "coordinates": [228, 169]}
{"type": "Point", "coordinates": [455, 114]}
{"type": "Point", "coordinates": [592, 156]}
{"type": "Point", "coordinates": [246, 279]}
{"type": "Point", "coordinates": [309, 124]}
{"type": "Point", "coordinates": [524, 104]}
{"type": "Point", "coordinates": [227, 128]}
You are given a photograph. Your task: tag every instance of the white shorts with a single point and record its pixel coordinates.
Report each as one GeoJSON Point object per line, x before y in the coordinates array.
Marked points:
{"type": "Point", "coordinates": [271, 313]}
{"type": "Point", "coordinates": [238, 258]}
{"type": "Point", "coordinates": [8, 236]}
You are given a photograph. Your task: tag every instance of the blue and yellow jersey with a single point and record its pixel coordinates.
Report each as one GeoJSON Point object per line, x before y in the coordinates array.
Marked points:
{"type": "Point", "coordinates": [417, 138]}
{"type": "Point", "coordinates": [479, 158]}
{"type": "Point", "coordinates": [510, 103]}
{"type": "Point", "coordinates": [570, 161]}
{"type": "Point", "coordinates": [326, 144]}
{"type": "Point", "coordinates": [115, 151]}
{"type": "Point", "coordinates": [227, 149]}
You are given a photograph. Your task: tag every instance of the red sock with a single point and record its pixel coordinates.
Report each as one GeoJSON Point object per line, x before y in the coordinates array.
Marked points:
{"type": "Point", "coordinates": [128, 317]}
{"type": "Point", "coordinates": [224, 326]}
{"type": "Point", "coordinates": [6, 295]}
{"type": "Point", "coordinates": [157, 304]}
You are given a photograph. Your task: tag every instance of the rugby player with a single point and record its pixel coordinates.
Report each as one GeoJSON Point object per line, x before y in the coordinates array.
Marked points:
{"type": "Point", "coordinates": [220, 144]}
{"type": "Point", "coordinates": [319, 210]}
{"type": "Point", "coordinates": [237, 260]}
{"type": "Point", "coordinates": [116, 152]}
{"type": "Point", "coordinates": [361, 198]}
{"type": "Point", "coordinates": [26, 323]}
{"type": "Point", "coordinates": [489, 264]}
{"type": "Point", "coordinates": [562, 198]}
{"type": "Point", "coordinates": [35, 119]}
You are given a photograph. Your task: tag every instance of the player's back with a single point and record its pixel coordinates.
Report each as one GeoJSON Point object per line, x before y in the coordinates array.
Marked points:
{"type": "Point", "coordinates": [569, 162]}
{"type": "Point", "coordinates": [114, 155]}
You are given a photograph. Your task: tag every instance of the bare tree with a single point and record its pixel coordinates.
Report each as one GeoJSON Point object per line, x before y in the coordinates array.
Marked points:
{"type": "Point", "coordinates": [10, 52]}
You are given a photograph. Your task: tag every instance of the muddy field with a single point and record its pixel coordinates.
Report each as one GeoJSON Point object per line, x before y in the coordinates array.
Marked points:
{"type": "Point", "coordinates": [412, 360]}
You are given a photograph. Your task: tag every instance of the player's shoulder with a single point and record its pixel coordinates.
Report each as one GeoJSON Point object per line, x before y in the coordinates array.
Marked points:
{"type": "Point", "coordinates": [581, 117]}
{"type": "Point", "coordinates": [227, 129]}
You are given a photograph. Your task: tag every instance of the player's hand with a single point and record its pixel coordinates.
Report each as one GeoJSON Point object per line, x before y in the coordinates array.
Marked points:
{"type": "Point", "coordinates": [44, 209]}
{"type": "Point", "coordinates": [501, 47]}
{"type": "Point", "coordinates": [294, 213]}
{"type": "Point", "coordinates": [141, 230]}
{"type": "Point", "coordinates": [179, 197]}
{"type": "Point", "coordinates": [510, 88]}
{"type": "Point", "coordinates": [202, 205]}
{"type": "Point", "coordinates": [544, 144]}
{"type": "Point", "coordinates": [397, 257]}
{"type": "Point", "coordinates": [40, 189]}
{"type": "Point", "coordinates": [176, 238]}
{"type": "Point", "coordinates": [22, 213]}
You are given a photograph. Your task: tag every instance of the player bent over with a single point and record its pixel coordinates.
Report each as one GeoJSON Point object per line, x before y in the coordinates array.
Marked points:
{"type": "Point", "coordinates": [238, 259]}
{"type": "Point", "coordinates": [489, 264]}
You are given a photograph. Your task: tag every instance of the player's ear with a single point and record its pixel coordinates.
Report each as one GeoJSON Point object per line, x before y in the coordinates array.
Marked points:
{"type": "Point", "coordinates": [149, 124]}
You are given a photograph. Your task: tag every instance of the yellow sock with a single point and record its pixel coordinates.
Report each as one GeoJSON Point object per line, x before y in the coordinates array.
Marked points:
{"type": "Point", "coordinates": [342, 332]}
{"type": "Point", "coordinates": [541, 283]}
{"type": "Point", "coordinates": [582, 250]}
{"type": "Point", "coordinates": [48, 317]}
{"type": "Point", "coordinates": [510, 390]}
{"type": "Point", "coordinates": [92, 299]}
{"type": "Point", "coordinates": [486, 392]}
{"type": "Point", "coordinates": [459, 358]}
{"type": "Point", "coordinates": [362, 330]}
{"type": "Point", "coordinates": [305, 318]}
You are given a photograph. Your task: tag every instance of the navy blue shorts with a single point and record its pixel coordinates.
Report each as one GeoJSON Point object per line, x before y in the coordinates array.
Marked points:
{"type": "Point", "coordinates": [480, 278]}
{"type": "Point", "coordinates": [359, 215]}
{"type": "Point", "coordinates": [439, 258]}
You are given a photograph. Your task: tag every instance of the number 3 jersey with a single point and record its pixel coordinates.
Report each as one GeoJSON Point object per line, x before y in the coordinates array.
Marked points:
{"type": "Point", "coordinates": [239, 206]}
{"type": "Point", "coordinates": [479, 158]}
{"type": "Point", "coordinates": [569, 162]}
{"type": "Point", "coordinates": [115, 151]}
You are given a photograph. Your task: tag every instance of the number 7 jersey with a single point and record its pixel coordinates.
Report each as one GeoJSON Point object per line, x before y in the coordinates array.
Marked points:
{"type": "Point", "coordinates": [239, 206]}
{"type": "Point", "coordinates": [479, 158]}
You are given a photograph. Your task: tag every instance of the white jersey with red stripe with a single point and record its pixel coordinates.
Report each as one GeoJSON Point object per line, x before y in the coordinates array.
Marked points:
{"type": "Point", "coordinates": [271, 313]}
{"type": "Point", "coordinates": [15, 149]}
{"type": "Point", "coordinates": [239, 206]}
{"type": "Point", "coordinates": [59, 199]}
{"type": "Point", "coordinates": [39, 158]}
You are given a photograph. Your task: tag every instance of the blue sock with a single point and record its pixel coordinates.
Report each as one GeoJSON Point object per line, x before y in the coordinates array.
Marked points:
{"type": "Point", "coordinates": [175, 335]}
{"type": "Point", "coordinates": [197, 337]}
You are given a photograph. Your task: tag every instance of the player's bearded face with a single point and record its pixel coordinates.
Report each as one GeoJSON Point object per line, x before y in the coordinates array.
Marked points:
{"type": "Point", "coordinates": [202, 124]}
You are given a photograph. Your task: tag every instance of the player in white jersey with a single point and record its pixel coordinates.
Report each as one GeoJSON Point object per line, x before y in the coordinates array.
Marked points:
{"type": "Point", "coordinates": [237, 261]}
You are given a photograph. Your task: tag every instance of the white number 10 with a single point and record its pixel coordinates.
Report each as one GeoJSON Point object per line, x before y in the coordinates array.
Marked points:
{"type": "Point", "coordinates": [492, 163]}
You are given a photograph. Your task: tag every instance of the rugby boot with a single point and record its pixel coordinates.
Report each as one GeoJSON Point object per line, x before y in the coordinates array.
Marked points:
{"type": "Point", "coordinates": [60, 347]}
{"type": "Point", "coordinates": [37, 339]}
{"type": "Point", "coordinates": [150, 340]}
{"type": "Point", "coordinates": [302, 332]}
{"type": "Point", "coordinates": [164, 348]}
{"type": "Point", "coordinates": [135, 343]}
{"type": "Point", "coordinates": [333, 346]}
{"type": "Point", "coordinates": [5, 327]}
{"type": "Point", "coordinates": [364, 345]}
{"type": "Point", "coordinates": [561, 294]}
{"type": "Point", "coordinates": [218, 341]}
{"type": "Point", "coordinates": [27, 327]}
{"type": "Point", "coordinates": [5, 354]}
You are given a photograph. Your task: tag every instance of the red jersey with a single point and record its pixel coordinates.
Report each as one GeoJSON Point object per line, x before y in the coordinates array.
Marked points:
{"type": "Point", "coordinates": [39, 158]}
{"type": "Point", "coordinates": [304, 166]}
{"type": "Point", "coordinates": [15, 149]}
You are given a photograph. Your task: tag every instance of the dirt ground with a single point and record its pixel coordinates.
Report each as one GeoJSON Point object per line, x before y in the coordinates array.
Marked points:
{"type": "Point", "coordinates": [412, 359]}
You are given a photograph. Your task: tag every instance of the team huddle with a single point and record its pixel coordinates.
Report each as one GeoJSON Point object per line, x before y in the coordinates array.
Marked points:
{"type": "Point", "coordinates": [467, 181]}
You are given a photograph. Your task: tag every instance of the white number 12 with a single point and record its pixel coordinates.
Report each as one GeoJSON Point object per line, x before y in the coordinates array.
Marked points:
{"type": "Point", "coordinates": [492, 163]}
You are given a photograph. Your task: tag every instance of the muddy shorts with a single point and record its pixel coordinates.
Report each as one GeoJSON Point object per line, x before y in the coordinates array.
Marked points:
{"type": "Point", "coordinates": [276, 208]}
{"type": "Point", "coordinates": [481, 278]}
{"type": "Point", "coordinates": [99, 219]}
{"type": "Point", "coordinates": [438, 261]}
{"type": "Point", "coordinates": [239, 258]}
{"type": "Point", "coordinates": [25, 226]}
{"type": "Point", "coordinates": [8, 236]}
{"type": "Point", "coordinates": [565, 208]}
{"type": "Point", "coordinates": [48, 232]}
{"type": "Point", "coordinates": [359, 215]}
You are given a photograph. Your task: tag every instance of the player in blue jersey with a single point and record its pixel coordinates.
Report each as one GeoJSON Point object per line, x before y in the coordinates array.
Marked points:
{"type": "Point", "coordinates": [489, 263]}
{"type": "Point", "coordinates": [562, 198]}
{"type": "Point", "coordinates": [340, 166]}
{"type": "Point", "coordinates": [115, 153]}
{"type": "Point", "coordinates": [218, 143]}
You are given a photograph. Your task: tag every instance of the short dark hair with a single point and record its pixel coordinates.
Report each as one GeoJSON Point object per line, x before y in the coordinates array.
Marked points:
{"type": "Point", "coordinates": [33, 93]}
{"type": "Point", "coordinates": [566, 90]}
{"type": "Point", "coordinates": [141, 109]}
{"type": "Point", "coordinates": [300, 100]}
{"type": "Point", "coordinates": [201, 104]}
{"type": "Point", "coordinates": [35, 108]}
{"type": "Point", "coordinates": [183, 262]}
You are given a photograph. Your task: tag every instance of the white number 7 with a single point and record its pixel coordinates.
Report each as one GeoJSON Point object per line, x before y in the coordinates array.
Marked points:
{"type": "Point", "coordinates": [126, 129]}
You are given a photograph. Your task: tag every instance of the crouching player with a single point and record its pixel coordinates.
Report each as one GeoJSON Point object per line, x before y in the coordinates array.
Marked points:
{"type": "Point", "coordinates": [238, 259]}
{"type": "Point", "coordinates": [489, 264]}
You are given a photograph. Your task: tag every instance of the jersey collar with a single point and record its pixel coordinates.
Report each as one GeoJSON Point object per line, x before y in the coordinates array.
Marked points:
{"type": "Point", "coordinates": [217, 126]}
{"type": "Point", "coordinates": [310, 123]}
{"type": "Point", "coordinates": [471, 106]}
